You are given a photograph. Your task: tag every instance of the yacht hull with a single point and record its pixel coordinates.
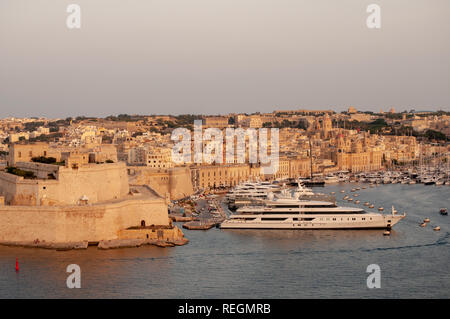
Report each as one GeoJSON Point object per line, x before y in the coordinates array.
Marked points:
{"type": "Point", "coordinates": [379, 222]}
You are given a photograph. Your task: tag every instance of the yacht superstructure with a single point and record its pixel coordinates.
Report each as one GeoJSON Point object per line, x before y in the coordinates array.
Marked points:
{"type": "Point", "coordinates": [252, 190]}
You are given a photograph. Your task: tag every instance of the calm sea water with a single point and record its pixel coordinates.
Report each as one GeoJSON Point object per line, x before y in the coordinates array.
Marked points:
{"type": "Point", "coordinates": [414, 261]}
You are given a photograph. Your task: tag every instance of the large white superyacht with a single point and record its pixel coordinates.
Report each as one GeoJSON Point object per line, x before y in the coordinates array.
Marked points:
{"type": "Point", "coordinates": [294, 213]}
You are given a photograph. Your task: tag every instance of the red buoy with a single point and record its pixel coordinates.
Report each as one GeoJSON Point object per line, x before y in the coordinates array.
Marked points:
{"type": "Point", "coordinates": [17, 264]}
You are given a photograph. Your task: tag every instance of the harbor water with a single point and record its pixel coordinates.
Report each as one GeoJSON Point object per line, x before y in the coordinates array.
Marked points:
{"type": "Point", "coordinates": [414, 260]}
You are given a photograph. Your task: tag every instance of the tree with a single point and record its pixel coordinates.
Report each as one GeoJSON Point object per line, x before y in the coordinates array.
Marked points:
{"type": "Point", "coordinates": [302, 125]}
{"type": "Point", "coordinates": [44, 160]}
{"type": "Point", "coordinates": [135, 134]}
{"type": "Point", "coordinates": [19, 172]}
{"type": "Point", "coordinates": [435, 135]}
{"type": "Point", "coordinates": [285, 123]}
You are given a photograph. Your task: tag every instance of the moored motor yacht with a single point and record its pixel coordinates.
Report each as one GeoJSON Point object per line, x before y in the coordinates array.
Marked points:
{"type": "Point", "coordinates": [252, 190]}
{"type": "Point", "coordinates": [294, 213]}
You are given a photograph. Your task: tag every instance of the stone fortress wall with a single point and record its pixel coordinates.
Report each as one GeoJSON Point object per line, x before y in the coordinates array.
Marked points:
{"type": "Point", "coordinates": [16, 189]}
{"type": "Point", "coordinates": [79, 202]}
{"type": "Point", "coordinates": [99, 182]}
{"type": "Point", "coordinates": [174, 182]}
{"type": "Point", "coordinates": [91, 223]}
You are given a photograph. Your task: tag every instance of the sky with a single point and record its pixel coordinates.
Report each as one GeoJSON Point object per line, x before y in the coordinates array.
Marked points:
{"type": "Point", "coordinates": [221, 56]}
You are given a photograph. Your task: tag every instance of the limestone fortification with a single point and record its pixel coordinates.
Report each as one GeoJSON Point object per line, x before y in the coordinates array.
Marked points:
{"type": "Point", "coordinates": [98, 182]}
{"type": "Point", "coordinates": [80, 203]}
{"type": "Point", "coordinates": [91, 223]}
{"type": "Point", "coordinates": [174, 183]}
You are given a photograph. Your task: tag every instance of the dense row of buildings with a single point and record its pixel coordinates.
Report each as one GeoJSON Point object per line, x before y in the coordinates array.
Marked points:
{"type": "Point", "coordinates": [309, 142]}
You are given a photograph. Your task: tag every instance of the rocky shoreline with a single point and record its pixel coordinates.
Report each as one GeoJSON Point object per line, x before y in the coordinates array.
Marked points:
{"type": "Point", "coordinates": [129, 243]}
{"type": "Point", "coordinates": [103, 245]}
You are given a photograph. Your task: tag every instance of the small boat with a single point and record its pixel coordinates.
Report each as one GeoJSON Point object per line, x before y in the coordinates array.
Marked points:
{"type": "Point", "coordinates": [366, 204]}
{"type": "Point", "coordinates": [356, 195]}
{"type": "Point", "coordinates": [345, 197]}
{"type": "Point", "coordinates": [423, 224]}
{"type": "Point", "coordinates": [443, 211]}
{"type": "Point", "coordinates": [364, 187]}
{"type": "Point", "coordinates": [342, 191]}
{"type": "Point", "coordinates": [437, 228]}
{"type": "Point", "coordinates": [372, 206]}
{"type": "Point", "coordinates": [332, 193]}
{"type": "Point", "coordinates": [350, 199]}
{"type": "Point", "coordinates": [426, 220]}
{"type": "Point", "coordinates": [357, 202]}
{"type": "Point", "coordinates": [386, 233]}
{"type": "Point", "coordinates": [353, 190]}
{"type": "Point", "coordinates": [380, 209]}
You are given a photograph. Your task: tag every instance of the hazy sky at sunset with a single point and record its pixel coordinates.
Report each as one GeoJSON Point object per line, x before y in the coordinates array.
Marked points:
{"type": "Point", "coordinates": [221, 56]}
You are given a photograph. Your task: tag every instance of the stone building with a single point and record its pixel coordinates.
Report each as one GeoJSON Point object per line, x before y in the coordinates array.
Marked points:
{"type": "Point", "coordinates": [25, 152]}
{"type": "Point", "coordinates": [350, 155]}
{"type": "Point", "coordinates": [212, 176]}
{"type": "Point", "coordinates": [219, 122]}
{"type": "Point", "coordinates": [326, 126]}
{"type": "Point", "coordinates": [159, 158]}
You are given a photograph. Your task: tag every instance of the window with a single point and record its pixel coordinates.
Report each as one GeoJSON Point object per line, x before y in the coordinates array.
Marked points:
{"type": "Point", "coordinates": [20, 154]}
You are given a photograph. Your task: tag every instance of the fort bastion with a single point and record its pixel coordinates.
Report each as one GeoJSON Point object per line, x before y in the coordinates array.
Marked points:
{"type": "Point", "coordinates": [78, 201]}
